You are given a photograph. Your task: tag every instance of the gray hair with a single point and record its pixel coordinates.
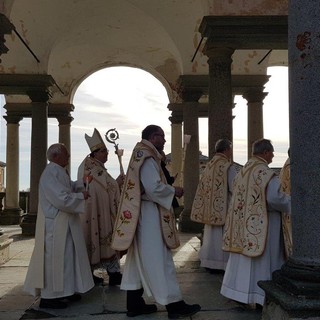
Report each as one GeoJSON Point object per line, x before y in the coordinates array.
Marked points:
{"type": "Point", "coordinates": [55, 149]}
{"type": "Point", "coordinates": [223, 145]}
{"type": "Point", "coordinates": [261, 145]}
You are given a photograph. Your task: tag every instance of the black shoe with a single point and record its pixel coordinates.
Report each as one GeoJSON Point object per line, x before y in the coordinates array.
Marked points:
{"type": "Point", "coordinates": [75, 297]}
{"type": "Point", "coordinates": [52, 304]}
{"type": "Point", "coordinates": [115, 278]}
{"type": "Point", "coordinates": [97, 280]}
{"type": "Point", "coordinates": [216, 271]}
{"type": "Point", "coordinates": [180, 309]}
{"type": "Point", "coordinates": [145, 309]}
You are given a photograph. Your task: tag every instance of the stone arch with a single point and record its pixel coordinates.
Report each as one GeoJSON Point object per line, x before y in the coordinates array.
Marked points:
{"type": "Point", "coordinates": [167, 85]}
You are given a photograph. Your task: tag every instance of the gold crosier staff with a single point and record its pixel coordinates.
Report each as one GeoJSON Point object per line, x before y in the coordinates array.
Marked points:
{"type": "Point", "coordinates": [112, 135]}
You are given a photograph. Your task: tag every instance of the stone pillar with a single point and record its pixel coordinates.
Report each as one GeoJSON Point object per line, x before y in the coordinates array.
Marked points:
{"type": "Point", "coordinates": [191, 162]}
{"type": "Point", "coordinates": [254, 98]}
{"type": "Point", "coordinates": [12, 212]}
{"type": "Point", "coordinates": [220, 95]}
{"type": "Point", "coordinates": [39, 138]}
{"type": "Point", "coordinates": [64, 133]}
{"type": "Point", "coordinates": [176, 145]}
{"type": "Point", "coordinates": [294, 290]}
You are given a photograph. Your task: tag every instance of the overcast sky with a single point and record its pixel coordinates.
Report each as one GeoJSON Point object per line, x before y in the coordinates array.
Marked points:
{"type": "Point", "coordinates": [129, 99]}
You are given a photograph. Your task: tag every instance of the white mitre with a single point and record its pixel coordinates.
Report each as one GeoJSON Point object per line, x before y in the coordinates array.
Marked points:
{"type": "Point", "coordinates": [95, 142]}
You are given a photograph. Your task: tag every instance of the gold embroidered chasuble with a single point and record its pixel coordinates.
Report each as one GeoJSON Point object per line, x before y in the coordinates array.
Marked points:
{"type": "Point", "coordinates": [130, 202]}
{"type": "Point", "coordinates": [210, 203]}
{"type": "Point", "coordinates": [101, 210]}
{"type": "Point", "coordinates": [246, 225]}
{"type": "Point", "coordinates": [286, 218]}
{"type": "Point", "coordinates": [285, 177]}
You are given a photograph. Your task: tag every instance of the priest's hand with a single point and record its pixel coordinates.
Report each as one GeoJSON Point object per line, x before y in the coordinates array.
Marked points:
{"type": "Point", "coordinates": [87, 179]}
{"type": "Point", "coordinates": [121, 179]}
{"type": "Point", "coordinates": [178, 192]}
{"type": "Point", "coordinates": [86, 194]}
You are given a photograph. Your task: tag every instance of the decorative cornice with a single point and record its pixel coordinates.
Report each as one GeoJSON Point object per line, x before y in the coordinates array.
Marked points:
{"type": "Point", "coordinates": [245, 32]}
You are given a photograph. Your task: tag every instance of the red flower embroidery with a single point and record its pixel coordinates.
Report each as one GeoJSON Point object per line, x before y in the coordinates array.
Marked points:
{"type": "Point", "coordinates": [127, 214]}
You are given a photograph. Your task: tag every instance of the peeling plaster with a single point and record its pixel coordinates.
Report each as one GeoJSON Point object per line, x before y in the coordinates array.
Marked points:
{"type": "Point", "coordinates": [148, 50]}
{"type": "Point", "coordinates": [194, 67]}
{"type": "Point", "coordinates": [169, 70]}
{"type": "Point", "coordinates": [67, 65]}
{"type": "Point", "coordinates": [247, 7]}
{"type": "Point", "coordinates": [253, 54]}
{"type": "Point", "coordinates": [12, 69]}
{"type": "Point", "coordinates": [175, 93]}
{"type": "Point", "coordinates": [24, 32]}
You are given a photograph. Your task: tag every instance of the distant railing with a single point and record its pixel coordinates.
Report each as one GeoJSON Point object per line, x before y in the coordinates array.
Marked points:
{"type": "Point", "coordinates": [24, 197]}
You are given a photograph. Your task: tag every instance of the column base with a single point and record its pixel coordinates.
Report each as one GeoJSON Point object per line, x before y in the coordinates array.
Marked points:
{"type": "Point", "coordinates": [187, 225]}
{"type": "Point", "coordinates": [5, 243]}
{"type": "Point", "coordinates": [288, 298]}
{"type": "Point", "coordinates": [28, 224]}
{"type": "Point", "coordinates": [11, 216]}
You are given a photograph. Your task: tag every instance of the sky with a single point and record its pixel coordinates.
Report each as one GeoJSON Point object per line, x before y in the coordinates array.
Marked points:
{"type": "Point", "coordinates": [129, 99]}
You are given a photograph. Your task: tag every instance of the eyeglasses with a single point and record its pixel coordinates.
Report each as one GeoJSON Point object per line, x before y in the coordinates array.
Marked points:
{"type": "Point", "coordinates": [159, 134]}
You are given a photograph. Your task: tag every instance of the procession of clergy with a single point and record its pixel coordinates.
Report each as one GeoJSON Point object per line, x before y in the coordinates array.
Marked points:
{"type": "Point", "coordinates": [91, 223]}
{"type": "Point", "coordinates": [247, 230]}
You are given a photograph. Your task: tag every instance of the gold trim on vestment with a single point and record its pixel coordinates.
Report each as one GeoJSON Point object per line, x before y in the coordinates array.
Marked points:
{"type": "Point", "coordinates": [210, 203]}
{"type": "Point", "coordinates": [246, 225]}
{"type": "Point", "coordinates": [130, 202]}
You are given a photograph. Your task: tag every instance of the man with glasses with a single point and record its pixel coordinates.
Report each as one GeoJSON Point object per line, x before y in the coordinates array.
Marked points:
{"type": "Point", "coordinates": [146, 227]}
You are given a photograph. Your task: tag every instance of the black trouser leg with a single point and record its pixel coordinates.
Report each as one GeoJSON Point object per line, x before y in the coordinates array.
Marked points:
{"type": "Point", "coordinates": [134, 299]}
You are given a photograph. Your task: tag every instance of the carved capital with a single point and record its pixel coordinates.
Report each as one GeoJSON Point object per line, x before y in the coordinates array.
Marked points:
{"type": "Point", "coordinates": [176, 117]}
{"type": "Point", "coordinates": [12, 119]}
{"type": "Point", "coordinates": [255, 95]}
{"type": "Point", "coordinates": [218, 54]}
{"type": "Point", "coordinates": [64, 120]}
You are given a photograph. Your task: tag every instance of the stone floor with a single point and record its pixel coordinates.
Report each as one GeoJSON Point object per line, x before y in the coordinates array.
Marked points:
{"type": "Point", "coordinates": [104, 302]}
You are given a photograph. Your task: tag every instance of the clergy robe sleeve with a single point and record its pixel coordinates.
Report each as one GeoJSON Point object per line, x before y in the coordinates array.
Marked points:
{"type": "Point", "coordinates": [276, 199]}
{"type": "Point", "coordinates": [155, 190]}
{"type": "Point", "coordinates": [58, 194]}
{"type": "Point", "coordinates": [231, 175]}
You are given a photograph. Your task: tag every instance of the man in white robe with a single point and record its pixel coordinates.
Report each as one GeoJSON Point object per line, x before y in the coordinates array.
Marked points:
{"type": "Point", "coordinates": [148, 233]}
{"type": "Point", "coordinates": [59, 268]}
{"type": "Point", "coordinates": [211, 203]}
{"type": "Point", "coordinates": [253, 232]}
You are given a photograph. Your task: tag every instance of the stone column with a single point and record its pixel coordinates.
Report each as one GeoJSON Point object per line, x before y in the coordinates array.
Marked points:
{"type": "Point", "coordinates": [64, 133]}
{"type": "Point", "coordinates": [220, 95]}
{"type": "Point", "coordinates": [254, 98]}
{"type": "Point", "coordinates": [191, 162]}
{"type": "Point", "coordinates": [12, 212]}
{"type": "Point", "coordinates": [39, 138]}
{"type": "Point", "coordinates": [176, 144]}
{"type": "Point", "coordinates": [294, 290]}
